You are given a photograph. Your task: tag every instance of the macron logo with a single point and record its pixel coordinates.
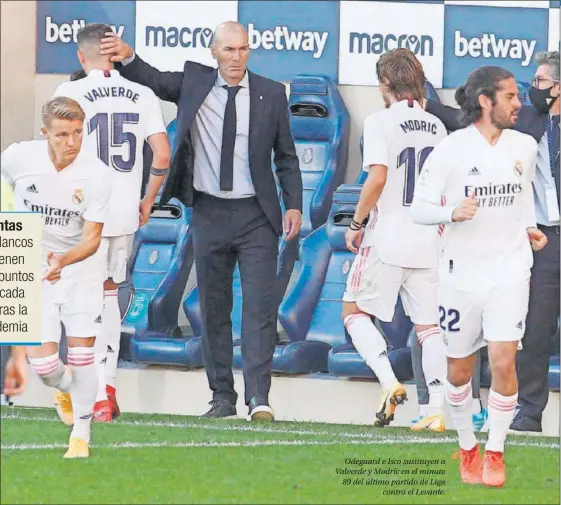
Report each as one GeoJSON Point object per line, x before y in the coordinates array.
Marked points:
{"type": "Point", "coordinates": [490, 46]}
{"type": "Point", "coordinates": [66, 32]}
{"type": "Point", "coordinates": [283, 39]}
{"type": "Point", "coordinates": [379, 43]}
{"type": "Point", "coordinates": [173, 36]}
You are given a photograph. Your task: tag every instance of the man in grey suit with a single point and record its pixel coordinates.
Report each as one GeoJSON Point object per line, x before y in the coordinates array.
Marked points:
{"type": "Point", "coordinates": [229, 120]}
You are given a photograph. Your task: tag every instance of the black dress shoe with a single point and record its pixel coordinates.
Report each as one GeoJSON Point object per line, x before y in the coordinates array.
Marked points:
{"type": "Point", "coordinates": [525, 423]}
{"type": "Point", "coordinates": [220, 409]}
{"type": "Point", "coordinates": [260, 410]}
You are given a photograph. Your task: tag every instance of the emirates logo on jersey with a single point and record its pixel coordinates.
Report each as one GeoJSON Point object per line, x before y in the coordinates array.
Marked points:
{"type": "Point", "coordinates": [78, 197]}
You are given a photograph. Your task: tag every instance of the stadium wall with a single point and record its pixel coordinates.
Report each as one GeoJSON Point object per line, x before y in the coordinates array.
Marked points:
{"type": "Point", "coordinates": [342, 39]}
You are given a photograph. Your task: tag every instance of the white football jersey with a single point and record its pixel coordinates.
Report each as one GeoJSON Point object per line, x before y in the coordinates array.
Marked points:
{"type": "Point", "coordinates": [401, 137]}
{"type": "Point", "coordinates": [120, 116]}
{"type": "Point", "coordinates": [493, 248]}
{"type": "Point", "coordinates": [65, 199]}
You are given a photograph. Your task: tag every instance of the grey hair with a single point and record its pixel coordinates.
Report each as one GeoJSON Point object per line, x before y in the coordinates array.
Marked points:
{"type": "Point", "coordinates": [550, 58]}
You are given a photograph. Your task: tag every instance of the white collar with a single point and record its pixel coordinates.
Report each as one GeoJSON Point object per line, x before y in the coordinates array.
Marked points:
{"type": "Point", "coordinates": [244, 83]}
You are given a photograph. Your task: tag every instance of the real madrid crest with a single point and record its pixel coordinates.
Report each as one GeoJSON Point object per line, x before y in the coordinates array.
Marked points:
{"type": "Point", "coordinates": [153, 257]}
{"type": "Point", "coordinates": [518, 170]}
{"type": "Point", "coordinates": [78, 196]}
{"type": "Point", "coordinates": [346, 266]}
{"type": "Point", "coordinates": [308, 155]}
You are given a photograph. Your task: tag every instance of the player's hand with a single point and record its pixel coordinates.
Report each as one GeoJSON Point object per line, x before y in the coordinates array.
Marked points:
{"type": "Point", "coordinates": [466, 210]}
{"type": "Point", "coordinates": [55, 266]}
{"type": "Point", "coordinates": [114, 45]}
{"type": "Point", "coordinates": [353, 238]}
{"type": "Point", "coordinates": [537, 238]}
{"type": "Point", "coordinates": [145, 209]}
{"type": "Point", "coordinates": [292, 223]}
{"type": "Point", "coordinates": [16, 376]}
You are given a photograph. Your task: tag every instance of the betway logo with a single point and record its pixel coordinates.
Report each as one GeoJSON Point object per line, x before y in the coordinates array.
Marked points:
{"type": "Point", "coordinates": [283, 39]}
{"type": "Point", "coordinates": [489, 46]}
{"type": "Point", "coordinates": [279, 38]}
{"type": "Point", "coordinates": [379, 43]}
{"type": "Point", "coordinates": [66, 32]}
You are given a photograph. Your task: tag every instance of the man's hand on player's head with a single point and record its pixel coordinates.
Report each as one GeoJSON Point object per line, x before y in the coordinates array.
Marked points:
{"type": "Point", "coordinates": [537, 238]}
{"type": "Point", "coordinates": [353, 238]}
{"type": "Point", "coordinates": [145, 209]}
{"type": "Point", "coordinates": [466, 210]}
{"type": "Point", "coordinates": [55, 266]}
{"type": "Point", "coordinates": [114, 45]}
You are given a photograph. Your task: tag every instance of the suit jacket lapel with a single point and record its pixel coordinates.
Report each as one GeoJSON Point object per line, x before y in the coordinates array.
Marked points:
{"type": "Point", "coordinates": [255, 110]}
{"type": "Point", "coordinates": [198, 92]}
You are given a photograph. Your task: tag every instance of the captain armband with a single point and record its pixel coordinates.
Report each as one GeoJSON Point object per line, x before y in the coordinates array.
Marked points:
{"type": "Point", "coordinates": [158, 171]}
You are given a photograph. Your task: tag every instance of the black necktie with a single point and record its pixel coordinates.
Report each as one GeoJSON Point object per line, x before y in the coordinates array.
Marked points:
{"type": "Point", "coordinates": [228, 141]}
{"type": "Point", "coordinates": [554, 150]}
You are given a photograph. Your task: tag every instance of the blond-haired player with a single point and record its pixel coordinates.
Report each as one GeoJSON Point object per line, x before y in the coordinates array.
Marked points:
{"type": "Point", "coordinates": [71, 190]}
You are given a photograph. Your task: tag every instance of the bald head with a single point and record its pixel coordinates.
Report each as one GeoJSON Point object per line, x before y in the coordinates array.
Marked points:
{"type": "Point", "coordinates": [230, 48]}
{"type": "Point", "coordinates": [225, 30]}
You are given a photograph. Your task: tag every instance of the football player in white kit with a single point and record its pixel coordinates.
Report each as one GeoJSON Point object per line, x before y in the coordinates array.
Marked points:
{"type": "Point", "coordinates": [71, 191]}
{"type": "Point", "coordinates": [396, 257]}
{"type": "Point", "coordinates": [120, 116]}
{"type": "Point", "coordinates": [484, 172]}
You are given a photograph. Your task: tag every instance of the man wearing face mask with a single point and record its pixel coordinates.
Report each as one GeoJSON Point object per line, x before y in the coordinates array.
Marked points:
{"type": "Point", "coordinates": [541, 121]}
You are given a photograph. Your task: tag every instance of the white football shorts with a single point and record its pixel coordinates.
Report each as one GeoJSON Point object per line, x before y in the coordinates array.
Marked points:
{"type": "Point", "coordinates": [78, 304]}
{"type": "Point", "coordinates": [114, 253]}
{"type": "Point", "coordinates": [374, 286]}
{"type": "Point", "coordinates": [468, 320]}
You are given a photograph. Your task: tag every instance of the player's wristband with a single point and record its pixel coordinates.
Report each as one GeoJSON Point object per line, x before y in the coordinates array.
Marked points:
{"type": "Point", "coordinates": [158, 171]}
{"type": "Point", "coordinates": [355, 226]}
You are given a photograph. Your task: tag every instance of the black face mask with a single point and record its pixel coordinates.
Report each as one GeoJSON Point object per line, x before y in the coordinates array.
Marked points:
{"type": "Point", "coordinates": [541, 99]}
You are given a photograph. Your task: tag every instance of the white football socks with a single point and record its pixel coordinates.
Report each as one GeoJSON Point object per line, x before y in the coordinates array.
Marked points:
{"type": "Point", "coordinates": [112, 334]}
{"type": "Point", "coordinates": [52, 372]}
{"type": "Point", "coordinates": [501, 411]}
{"type": "Point", "coordinates": [434, 368]}
{"type": "Point", "coordinates": [371, 345]}
{"type": "Point", "coordinates": [81, 361]}
{"type": "Point", "coordinates": [460, 399]}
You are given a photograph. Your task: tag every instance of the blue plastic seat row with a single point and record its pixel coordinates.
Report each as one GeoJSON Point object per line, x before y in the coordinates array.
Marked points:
{"type": "Point", "coordinates": [310, 313]}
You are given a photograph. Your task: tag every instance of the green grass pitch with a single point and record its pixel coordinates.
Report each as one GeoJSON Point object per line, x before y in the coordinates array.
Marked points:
{"type": "Point", "coordinates": [178, 459]}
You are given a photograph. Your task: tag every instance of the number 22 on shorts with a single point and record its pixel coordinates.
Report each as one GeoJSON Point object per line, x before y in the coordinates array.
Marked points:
{"type": "Point", "coordinates": [449, 319]}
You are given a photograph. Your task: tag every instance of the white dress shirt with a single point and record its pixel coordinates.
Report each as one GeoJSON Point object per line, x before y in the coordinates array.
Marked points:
{"type": "Point", "coordinates": [207, 142]}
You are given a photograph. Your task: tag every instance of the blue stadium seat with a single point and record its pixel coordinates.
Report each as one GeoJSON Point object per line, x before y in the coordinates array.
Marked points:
{"type": "Point", "coordinates": [171, 129]}
{"type": "Point", "coordinates": [320, 125]}
{"type": "Point", "coordinates": [161, 260]}
{"type": "Point", "coordinates": [311, 312]}
{"type": "Point", "coordinates": [160, 264]}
